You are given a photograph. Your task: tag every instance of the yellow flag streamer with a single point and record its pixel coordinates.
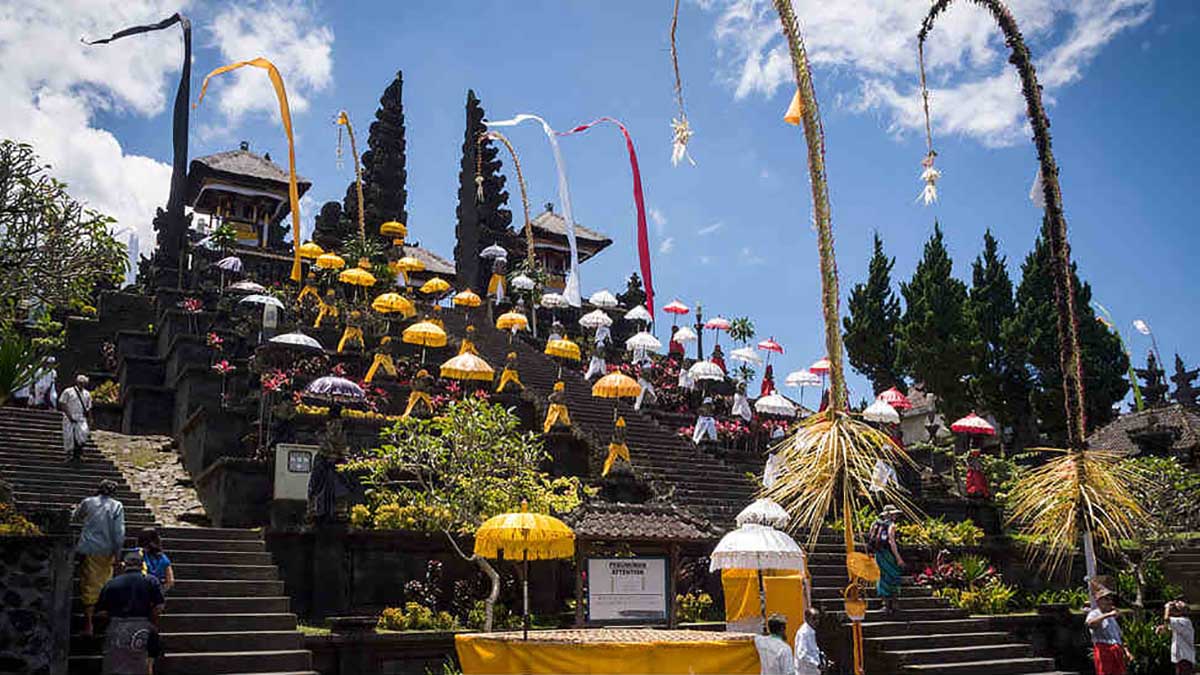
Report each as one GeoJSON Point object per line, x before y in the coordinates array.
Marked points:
{"type": "Point", "coordinates": [286, 115]}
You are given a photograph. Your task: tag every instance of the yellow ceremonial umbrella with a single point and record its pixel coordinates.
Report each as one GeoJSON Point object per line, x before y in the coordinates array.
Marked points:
{"type": "Point", "coordinates": [467, 298]}
{"type": "Point", "coordinates": [435, 286]}
{"type": "Point", "coordinates": [393, 303]}
{"type": "Point", "coordinates": [563, 348]}
{"type": "Point", "coordinates": [426, 334]}
{"type": "Point", "coordinates": [405, 265]}
{"type": "Point", "coordinates": [311, 250]}
{"type": "Point", "coordinates": [356, 276]}
{"type": "Point", "coordinates": [330, 261]}
{"type": "Point", "coordinates": [394, 229]}
{"type": "Point", "coordinates": [468, 366]}
{"type": "Point", "coordinates": [511, 321]}
{"type": "Point", "coordinates": [616, 385]}
{"type": "Point", "coordinates": [527, 536]}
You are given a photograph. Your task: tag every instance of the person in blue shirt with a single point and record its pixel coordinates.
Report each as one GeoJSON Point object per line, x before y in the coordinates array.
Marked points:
{"type": "Point", "coordinates": [155, 561]}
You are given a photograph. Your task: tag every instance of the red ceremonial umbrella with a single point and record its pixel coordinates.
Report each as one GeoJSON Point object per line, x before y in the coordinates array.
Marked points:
{"type": "Point", "coordinates": [770, 345]}
{"type": "Point", "coordinates": [895, 398]}
{"type": "Point", "coordinates": [677, 308]}
{"type": "Point", "coordinates": [717, 323]}
{"type": "Point", "coordinates": [973, 425]}
{"type": "Point", "coordinates": [821, 367]}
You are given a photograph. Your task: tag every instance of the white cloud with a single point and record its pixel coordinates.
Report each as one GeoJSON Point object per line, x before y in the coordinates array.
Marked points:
{"type": "Point", "coordinates": [973, 89]}
{"type": "Point", "coordinates": [666, 245]}
{"type": "Point", "coordinates": [285, 32]}
{"type": "Point", "coordinates": [709, 229]}
{"type": "Point", "coordinates": [54, 86]}
{"type": "Point", "coordinates": [704, 260]}
{"type": "Point", "coordinates": [659, 219]}
{"type": "Point", "coordinates": [749, 257]}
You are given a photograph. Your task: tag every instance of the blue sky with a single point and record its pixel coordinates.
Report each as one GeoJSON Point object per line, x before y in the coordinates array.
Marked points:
{"type": "Point", "coordinates": [733, 232]}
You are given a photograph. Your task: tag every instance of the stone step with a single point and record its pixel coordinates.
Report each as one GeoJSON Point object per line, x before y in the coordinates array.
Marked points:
{"type": "Point", "coordinates": [193, 623]}
{"type": "Point", "coordinates": [226, 533]}
{"type": "Point", "coordinates": [1015, 666]}
{"type": "Point", "coordinates": [949, 655]}
{"type": "Point", "coordinates": [225, 588]}
{"type": "Point", "coordinates": [221, 641]}
{"type": "Point", "coordinates": [207, 557]}
{"type": "Point", "coordinates": [277, 604]}
{"type": "Point", "coordinates": [71, 497]}
{"type": "Point", "coordinates": [214, 663]}
{"type": "Point", "coordinates": [172, 543]}
{"type": "Point", "coordinates": [882, 627]}
{"type": "Point", "coordinates": [224, 571]}
{"type": "Point", "coordinates": [937, 641]}
{"type": "Point", "coordinates": [140, 513]}
{"type": "Point", "coordinates": [62, 469]}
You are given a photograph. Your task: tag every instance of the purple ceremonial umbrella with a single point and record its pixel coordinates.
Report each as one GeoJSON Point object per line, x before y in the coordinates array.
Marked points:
{"type": "Point", "coordinates": [332, 385]}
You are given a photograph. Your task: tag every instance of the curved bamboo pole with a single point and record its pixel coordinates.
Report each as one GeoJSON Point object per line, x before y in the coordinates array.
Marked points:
{"type": "Point", "coordinates": [529, 257]}
{"type": "Point", "coordinates": [344, 120]}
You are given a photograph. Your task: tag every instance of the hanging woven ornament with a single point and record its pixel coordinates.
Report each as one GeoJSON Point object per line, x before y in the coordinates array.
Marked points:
{"type": "Point", "coordinates": [1037, 192]}
{"type": "Point", "coordinates": [930, 176]}
{"type": "Point", "coordinates": [681, 131]}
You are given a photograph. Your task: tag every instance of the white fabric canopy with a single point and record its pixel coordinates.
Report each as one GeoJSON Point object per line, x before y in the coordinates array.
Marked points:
{"type": "Point", "coordinates": [246, 287]}
{"type": "Point", "coordinates": [296, 339]}
{"type": "Point", "coordinates": [746, 355]}
{"type": "Point", "coordinates": [643, 340]}
{"type": "Point", "coordinates": [685, 334]}
{"type": "Point", "coordinates": [880, 411]}
{"type": "Point", "coordinates": [756, 547]}
{"type": "Point", "coordinates": [230, 264]}
{"type": "Point", "coordinates": [802, 378]}
{"type": "Point", "coordinates": [494, 251]}
{"type": "Point", "coordinates": [553, 301]}
{"type": "Point", "coordinates": [775, 404]}
{"type": "Point", "coordinates": [262, 300]}
{"type": "Point", "coordinates": [335, 386]}
{"type": "Point", "coordinates": [763, 512]}
{"type": "Point", "coordinates": [638, 313]}
{"type": "Point", "coordinates": [603, 298]}
{"type": "Point", "coordinates": [706, 370]}
{"type": "Point", "coordinates": [595, 319]}
{"type": "Point", "coordinates": [522, 283]}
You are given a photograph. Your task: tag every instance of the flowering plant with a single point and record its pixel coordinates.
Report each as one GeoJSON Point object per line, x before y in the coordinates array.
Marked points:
{"type": "Point", "coordinates": [213, 340]}
{"type": "Point", "coordinates": [224, 367]}
{"type": "Point", "coordinates": [192, 305]}
{"type": "Point", "coordinates": [275, 380]}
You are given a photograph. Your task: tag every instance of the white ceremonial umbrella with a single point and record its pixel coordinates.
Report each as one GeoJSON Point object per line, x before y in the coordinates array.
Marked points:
{"type": "Point", "coordinates": [880, 411]}
{"type": "Point", "coordinates": [296, 339]}
{"type": "Point", "coordinates": [706, 370]}
{"type": "Point", "coordinates": [757, 547]}
{"type": "Point", "coordinates": [259, 299]}
{"type": "Point", "coordinates": [775, 404]}
{"type": "Point", "coordinates": [763, 512]}
{"type": "Point", "coordinates": [685, 334]}
{"type": "Point", "coordinates": [643, 340]}
{"type": "Point", "coordinates": [603, 298]}
{"type": "Point", "coordinates": [553, 301]}
{"type": "Point", "coordinates": [230, 263]}
{"type": "Point", "coordinates": [638, 313]}
{"type": "Point", "coordinates": [746, 355]}
{"type": "Point", "coordinates": [595, 319]}
{"type": "Point", "coordinates": [802, 378]}
{"type": "Point", "coordinates": [522, 283]}
{"type": "Point", "coordinates": [494, 251]}
{"type": "Point", "coordinates": [332, 385]}
{"type": "Point", "coordinates": [246, 287]}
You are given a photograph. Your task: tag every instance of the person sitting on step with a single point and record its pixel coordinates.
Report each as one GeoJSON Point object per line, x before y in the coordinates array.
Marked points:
{"type": "Point", "coordinates": [509, 377]}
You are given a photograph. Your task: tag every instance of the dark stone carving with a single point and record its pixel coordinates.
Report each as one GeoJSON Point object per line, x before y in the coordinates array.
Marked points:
{"type": "Point", "coordinates": [1185, 393]}
{"type": "Point", "coordinates": [1154, 391]}
{"type": "Point", "coordinates": [383, 166]}
{"type": "Point", "coordinates": [480, 223]}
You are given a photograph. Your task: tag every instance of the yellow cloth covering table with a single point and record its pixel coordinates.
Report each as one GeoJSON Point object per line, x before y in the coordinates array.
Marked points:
{"type": "Point", "coordinates": [785, 596]}
{"type": "Point", "coordinates": [603, 650]}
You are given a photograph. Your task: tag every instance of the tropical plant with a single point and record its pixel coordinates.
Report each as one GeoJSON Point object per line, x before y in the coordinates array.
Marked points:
{"type": "Point", "coordinates": [831, 456]}
{"type": "Point", "coordinates": [992, 597]}
{"type": "Point", "coordinates": [13, 524]}
{"type": "Point", "coordinates": [936, 534]}
{"type": "Point", "coordinates": [467, 464]}
{"type": "Point", "coordinates": [53, 250]}
{"type": "Point", "coordinates": [741, 329]}
{"type": "Point", "coordinates": [694, 607]}
{"type": "Point", "coordinates": [415, 616]}
{"type": "Point", "coordinates": [1075, 598]}
{"type": "Point", "coordinates": [19, 362]}
{"type": "Point", "coordinates": [1151, 650]}
{"type": "Point", "coordinates": [870, 328]}
{"type": "Point", "coordinates": [223, 237]}
{"type": "Point", "coordinates": [1171, 494]}
{"type": "Point", "coordinates": [1083, 493]}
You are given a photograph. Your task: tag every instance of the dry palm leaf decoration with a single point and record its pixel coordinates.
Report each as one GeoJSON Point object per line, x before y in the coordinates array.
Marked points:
{"type": "Point", "coordinates": [681, 132]}
{"type": "Point", "coordinates": [1084, 493]}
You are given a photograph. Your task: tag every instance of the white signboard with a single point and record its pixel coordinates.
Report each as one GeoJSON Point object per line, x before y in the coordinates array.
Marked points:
{"type": "Point", "coordinates": [627, 590]}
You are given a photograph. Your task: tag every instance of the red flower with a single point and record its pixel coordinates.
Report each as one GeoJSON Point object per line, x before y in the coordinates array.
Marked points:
{"type": "Point", "coordinates": [224, 367]}
{"type": "Point", "coordinates": [192, 305]}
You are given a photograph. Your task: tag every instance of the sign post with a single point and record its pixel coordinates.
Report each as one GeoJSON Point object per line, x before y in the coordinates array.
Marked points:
{"type": "Point", "coordinates": [627, 590]}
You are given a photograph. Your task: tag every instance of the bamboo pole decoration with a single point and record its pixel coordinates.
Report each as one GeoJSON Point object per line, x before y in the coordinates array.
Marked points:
{"type": "Point", "coordinates": [814, 135]}
{"type": "Point", "coordinates": [343, 120]}
{"type": "Point", "coordinates": [1070, 361]}
{"type": "Point", "coordinates": [681, 131]}
{"type": "Point", "coordinates": [520, 183]}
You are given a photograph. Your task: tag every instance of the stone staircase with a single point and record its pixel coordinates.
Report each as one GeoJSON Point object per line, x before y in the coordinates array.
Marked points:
{"type": "Point", "coordinates": [927, 636]}
{"type": "Point", "coordinates": [1182, 567]}
{"type": "Point", "coordinates": [227, 613]}
{"type": "Point", "coordinates": [708, 487]}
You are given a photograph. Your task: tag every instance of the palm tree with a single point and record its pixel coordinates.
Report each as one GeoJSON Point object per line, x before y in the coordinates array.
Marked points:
{"type": "Point", "coordinates": [828, 461]}
{"type": "Point", "coordinates": [1083, 492]}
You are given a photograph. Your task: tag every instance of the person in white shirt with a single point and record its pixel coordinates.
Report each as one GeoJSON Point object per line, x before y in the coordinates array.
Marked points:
{"type": "Point", "coordinates": [808, 653]}
{"type": "Point", "coordinates": [1183, 637]}
{"type": "Point", "coordinates": [774, 654]}
{"type": "Point", "coordinates": [76, 405]}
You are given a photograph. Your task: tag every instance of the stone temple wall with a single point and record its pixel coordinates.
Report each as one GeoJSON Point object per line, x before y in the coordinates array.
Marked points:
{"type": "Point", "coordinates": [35, 590]}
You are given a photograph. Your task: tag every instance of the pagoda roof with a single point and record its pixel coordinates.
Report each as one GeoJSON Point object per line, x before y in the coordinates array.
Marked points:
{"type": "Point", "coordinates": [434, 263]}
{"type": "Point", "coordinates": [244, 166]}
{"type": "Point", "coordinates": [621, 521]}
{"type": "Point", "coordinates": [552, 223]}
{"type": "Point", "coordinates": [1117, 435]}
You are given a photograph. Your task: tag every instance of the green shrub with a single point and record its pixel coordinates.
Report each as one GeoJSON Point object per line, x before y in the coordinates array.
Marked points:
{"type": "Point", "coordinates": [936, 534]}
{"type": "Point", "coordinates": [993, 597]}
{"type": "Point", "coordinates": [502, 618]}
{"type": "Point", "coordinates": [694, 607]}
{"type": "Point", "coordinates": [414, 616]}
{"type": "Point", "coordinates": [1075, 598]}
{"type": "Point", "coordinates": [1158, 589]}
{"type": "Point", "coordinates": [1151, 651]}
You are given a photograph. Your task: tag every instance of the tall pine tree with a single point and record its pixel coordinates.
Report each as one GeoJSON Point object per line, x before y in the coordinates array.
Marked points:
{"type": "Point", "coordinates": [480, 223]}
{"type": "Point", "coordinates": [1033, 336]}
{"type": "Point", "coordinates": [934, 343]}
{"type": "Point", "coordinates": [383, 166]}
{"type": "Point", "coordinates": [870, 328]}
{"type": "Point", "coordinates": [999, 383]}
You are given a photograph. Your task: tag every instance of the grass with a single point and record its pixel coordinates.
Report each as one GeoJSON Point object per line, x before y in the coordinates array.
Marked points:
{"type": "Point", "coordinates": [312, 630]}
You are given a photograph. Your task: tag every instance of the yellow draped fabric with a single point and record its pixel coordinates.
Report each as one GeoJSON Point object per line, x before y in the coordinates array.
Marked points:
{"type": "Point", "coordinates": [785, 596]}
{"type": "Point", "coordinates": [352, 335]}
{"type": "Point", "coordinates": [467, 347]}
{"type": "Point", "coordinates": [507, 376]}
{"type": "Point", "coordinates": [381, 361]}
{"type": "Point", "coordinates": [483, 653]}
{"type": "Point", "coordinates": [615, 451]}
{"type": "Point", "coordinates": [415, 396]}
{"type": "Point", "coordinates": [496, 283]}
{"type": "Point", "coordinates": [557, 414]}
{"type": "Point", "coordinates": [286, 115]}
{"type": "Point", "coordinates": [327, 310]}
{"type": "Point", "coordinates": [306, 292]}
